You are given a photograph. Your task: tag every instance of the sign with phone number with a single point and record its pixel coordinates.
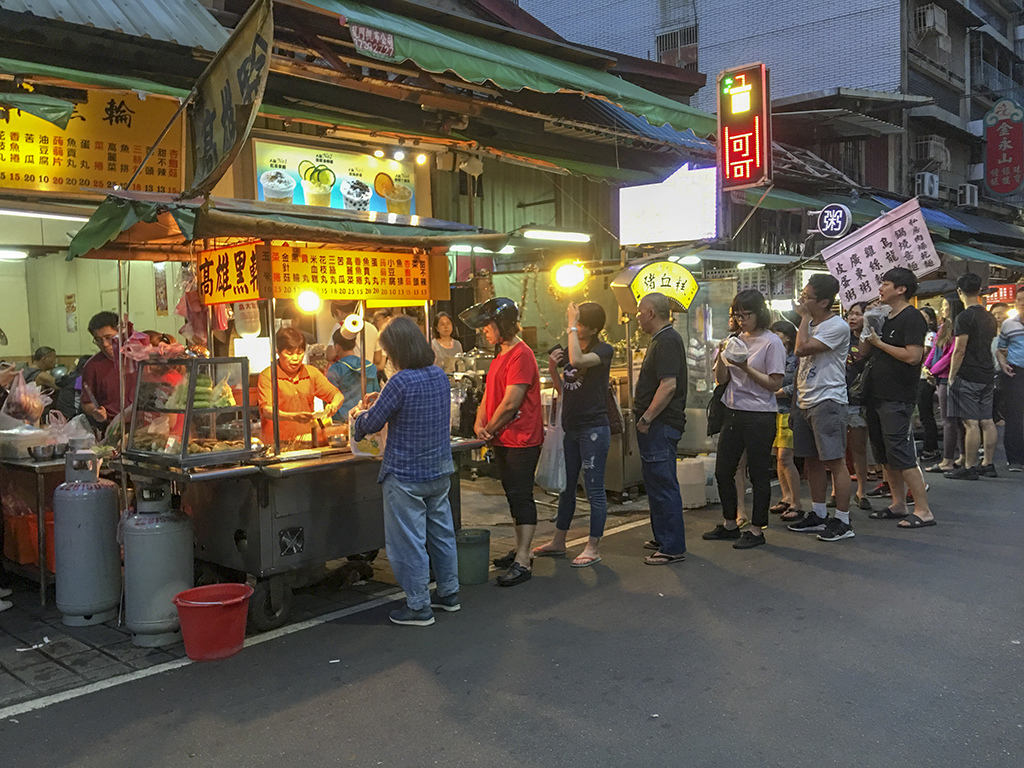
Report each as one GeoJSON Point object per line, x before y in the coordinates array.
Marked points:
{"type": "Point", "coordinates": [105, 141]}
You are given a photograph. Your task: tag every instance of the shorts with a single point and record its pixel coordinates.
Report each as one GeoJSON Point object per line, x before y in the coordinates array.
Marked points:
{"type": "Point", "coordinates": [856, 417]}
{"type": "Point", "coordinates": [783, 434]}
{"type": "Point", "coordinates": [891, 435]}
{"type": "Point", "coordinates": [819, 432]}
{"type": "Point", "coordinates": [970, 400]}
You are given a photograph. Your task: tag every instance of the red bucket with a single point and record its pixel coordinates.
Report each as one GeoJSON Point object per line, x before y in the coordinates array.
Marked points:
{"type": "Point", "coordinates": [213, 620]}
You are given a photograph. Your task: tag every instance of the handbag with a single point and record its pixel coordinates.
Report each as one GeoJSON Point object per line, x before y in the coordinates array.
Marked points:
{"type": "Point", "coordinates": [614, 414]}
{"type": "Point", "coordinates": [716, 410]}
{"type": "Point", "coordinates": [860, 388]}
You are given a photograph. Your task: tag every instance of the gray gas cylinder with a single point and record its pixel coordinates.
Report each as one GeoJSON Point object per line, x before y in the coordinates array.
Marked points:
{"type": "Point", "coordinates": [157, 565]}
{"type": "Point", "coordinates": [85, 513]}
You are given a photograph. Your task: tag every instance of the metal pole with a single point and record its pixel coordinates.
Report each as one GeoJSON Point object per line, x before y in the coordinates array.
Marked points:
{"type": "Point", "coordinates": [361, 308]}
{"type": "Point", "coordinates": [276, 411]}
{"type": "Point", "coordinates": [181, 108]}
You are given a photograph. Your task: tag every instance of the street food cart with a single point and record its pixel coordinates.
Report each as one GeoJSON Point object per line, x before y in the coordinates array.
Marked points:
{"type": "Point", "coordinates": [266, 511]}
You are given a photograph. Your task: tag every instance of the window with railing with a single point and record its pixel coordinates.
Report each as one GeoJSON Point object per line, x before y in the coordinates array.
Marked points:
{"type": "Point", "coordinates": [678, 48]}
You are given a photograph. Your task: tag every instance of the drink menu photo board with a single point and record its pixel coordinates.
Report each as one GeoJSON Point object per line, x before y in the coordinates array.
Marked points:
{"type": "Point", "coordinates": [344, 180]}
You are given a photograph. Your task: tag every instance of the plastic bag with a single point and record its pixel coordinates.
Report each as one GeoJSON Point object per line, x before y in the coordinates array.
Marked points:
{"type": "Point", "coordinates": [551, 464]}
{"type": "Point", "coordinates": [370, 445]}
{"type": "Point", "coordinates": [874, 319]}
{"type": "Point", "coordinates": [25, 402]}
{"type": "Point", "coordinates": [736, 350]}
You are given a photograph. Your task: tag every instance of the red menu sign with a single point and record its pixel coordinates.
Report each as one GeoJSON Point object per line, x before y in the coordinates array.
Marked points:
{"type": "Point", "coordinates": [1004, 149]}
{"type": "Point", "coordinates": [1001, 294]}
{"type": "Point", "coordinates": [744, 127]}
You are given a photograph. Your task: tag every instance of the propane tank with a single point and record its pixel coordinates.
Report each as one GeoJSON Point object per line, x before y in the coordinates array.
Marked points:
{"type": "Point", "coordinates": [85, 513]}
{"type": "Point", "coordinates": [157, 565]}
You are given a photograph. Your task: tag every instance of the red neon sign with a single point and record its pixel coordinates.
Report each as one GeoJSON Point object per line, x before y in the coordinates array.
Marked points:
{"type": "Point", "coordinates": [744, 127]}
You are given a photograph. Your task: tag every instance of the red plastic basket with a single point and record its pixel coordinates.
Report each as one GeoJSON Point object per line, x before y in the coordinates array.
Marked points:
{"type": "Point", "coordinates": [213, 620]}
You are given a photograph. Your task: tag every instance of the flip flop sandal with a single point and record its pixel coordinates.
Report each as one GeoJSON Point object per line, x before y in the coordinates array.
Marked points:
{"type": "Point", "coordinates": [888, 514]}
{"type": "Point", "coordinates": [660, 558]}
{"type": "Point", "coordinates": [779, 508]}
{"type": "Point", "coordinates": [792, 514]}
{"type": "Point", "coordinates": [584, 562]}
{"type": "Point", "coordinates": [539, 552]}
{"type": "Point", "coordinates": [913, 521]}
{"type": "Point", "coordinates": [652, 545]}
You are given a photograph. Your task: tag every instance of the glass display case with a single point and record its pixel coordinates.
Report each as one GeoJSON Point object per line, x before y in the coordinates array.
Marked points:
{"type": "Point", "coordinates": [192, 412]}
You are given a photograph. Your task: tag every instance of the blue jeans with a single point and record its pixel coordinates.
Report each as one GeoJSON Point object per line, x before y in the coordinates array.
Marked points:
{"type": "Point", "coordinates": [585, 449]}
{"type": "Point", "coordinates": [418, 522]}
{"type": "Point", "coordinates": [658, 460]}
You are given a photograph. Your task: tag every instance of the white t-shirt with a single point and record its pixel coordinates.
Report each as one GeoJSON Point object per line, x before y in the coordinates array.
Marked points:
{"type": "Point", "coordinates": [822, 376]}
{"type": "Point", "coordinates": [765, 353]}
{"type": "Point", "coordinates": [370, 330]}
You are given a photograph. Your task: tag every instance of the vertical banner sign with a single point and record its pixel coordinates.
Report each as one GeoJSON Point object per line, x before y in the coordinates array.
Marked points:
{"type": "Point", "coordinates": [744, 127]}
{"type": "Point", "coordinates": [898, 238]}
{"type": "Point", "coordinates": [1004, 148]}
{"type": "Point", "coordinates": [228, 97]}
{"type": "Point", "coordinates": [238, 272]}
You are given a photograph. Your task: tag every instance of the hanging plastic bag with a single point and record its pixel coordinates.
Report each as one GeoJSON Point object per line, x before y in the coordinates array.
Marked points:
{"type": "Point", "coordinates": [370, 445]}
{"type": "Point", "coordinates": [551, 464]}
{"type": "Point", "coordinates": [25, 402]}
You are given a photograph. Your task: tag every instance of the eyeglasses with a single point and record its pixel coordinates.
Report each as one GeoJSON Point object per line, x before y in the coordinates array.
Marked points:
{"type": "Point", "coordinates": [102, 341]}
{"type": "Point", "coordinates": [743, 315]}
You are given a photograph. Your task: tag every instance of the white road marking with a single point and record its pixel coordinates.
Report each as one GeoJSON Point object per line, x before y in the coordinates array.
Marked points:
{"type": "Point", "coordinates": [56, 698]}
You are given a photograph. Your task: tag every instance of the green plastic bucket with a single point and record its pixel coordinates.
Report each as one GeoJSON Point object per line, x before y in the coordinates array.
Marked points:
{"type": "Point", "coordinates": [474, 550]}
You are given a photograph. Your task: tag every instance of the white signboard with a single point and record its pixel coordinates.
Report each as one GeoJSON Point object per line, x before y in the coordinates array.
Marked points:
{"type": "Point", "coordinates": [898, 238]}
{"type": "Point", "coordinates": [683, 208]}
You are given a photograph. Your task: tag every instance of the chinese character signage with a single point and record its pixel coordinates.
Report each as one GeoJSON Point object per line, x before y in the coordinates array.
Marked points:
{"type": "Point", "coordinates": [105, 141]}
{"type": "Point", "coordinates": [1001, 294]}
{"type": "Point", "coordinates": [373, 42]}
{"type": "Point", "coordinates": [744, 127]}
{"type": "Point", "coordinates": [360, 275]}
{"type": "Point", "coordinates": [1004, 148]}
{"type": "Point", "coordinates": [349, 180]}
{"type": "Point", "coordinates": [834, 221]}
{"type": "Point", "coordinates": [665, 277]}
{"type": "Point", "coordinates": [898, 238]}
{"type": "Point", "coordinates": [235, 273]}
{"type": "Point", "coordinates": [228, 97]}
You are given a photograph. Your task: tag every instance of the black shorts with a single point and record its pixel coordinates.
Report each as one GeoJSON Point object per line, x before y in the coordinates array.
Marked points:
{"type": "Point", "coordinates": [891, 434]}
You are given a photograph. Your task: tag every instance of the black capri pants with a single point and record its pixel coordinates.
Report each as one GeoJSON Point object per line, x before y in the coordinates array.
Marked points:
{"type": "Point", "coordinates": [517, 468]}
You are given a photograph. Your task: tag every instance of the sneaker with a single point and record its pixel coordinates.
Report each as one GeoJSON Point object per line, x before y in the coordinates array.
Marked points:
{"type": "Point", "coordinates": [506, 561]}
{"type": "Point", "coordinates": [987, 470]}
{"type": "Point", "coordinates": [448, 603]}
{"type": "Point", "coordinates": [5, 604]}
{"type": "Point", "coordinates": [809, 523]}
{"type": "Point", "coordinates": [836, 530]}
{"type": "Point", "coordinates": [721, 533]}
{"type": "Point", "coordinates": [407, 617]}
{"type": "Point", "coordinates": [880, 491]}
{"type": "Point", "coordinates": [6, 592]}
{"type": "Point", "coordinates": [748, 540]}
{"type": "Point", "coordinates": [964, 473]}
{"type": "Point", "coordinates": [1016, 468]}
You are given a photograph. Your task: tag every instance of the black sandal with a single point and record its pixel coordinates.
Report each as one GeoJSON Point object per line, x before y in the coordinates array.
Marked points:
{"type": "Point", "coordinates": [779, 508]}
{"type": "Point", "coordinates": [888, 514]}
{"type": "Point", "coordinates": [661, 558]}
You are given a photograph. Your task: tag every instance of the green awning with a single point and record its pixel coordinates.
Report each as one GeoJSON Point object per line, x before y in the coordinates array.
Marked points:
{"type": "Point", "coordinates": [782, 200]}
{"type": "Point", "coordinates": [477, 60]}
{"type": "Point", "coordinates": [17, 67]}
{"type": "Point", "coordinates": [864, 211]}
{"type": "Point", "coordinates": [56, 111]}
{"type": "Point", "coordinates": [965, 252]}
{"type": "Point", "coordinates": [160, 224]}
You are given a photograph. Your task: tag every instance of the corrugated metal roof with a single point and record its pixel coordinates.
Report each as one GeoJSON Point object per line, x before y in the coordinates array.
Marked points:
{"type": "Point", "coordinates": [933, 216]}
{"type": "Point", "coordinates": [185, 22]}
{"type": "Point", "coordinates": [607, 112]}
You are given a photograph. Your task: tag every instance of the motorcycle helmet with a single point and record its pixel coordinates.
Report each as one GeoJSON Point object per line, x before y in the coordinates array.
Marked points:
{"type": "Point", "coordinates": [501, 311]}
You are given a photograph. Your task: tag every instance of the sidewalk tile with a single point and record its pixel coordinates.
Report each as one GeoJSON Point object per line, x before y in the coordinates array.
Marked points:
{"type": "Point", "coordinates": [135, 657]}
{"type": "Point", "coordinates": [13, 690]}
{"type": "Point", "coordinates": [47, 677]}
{"type": "Point", "coordinates": [88, 661]}
{"type": "Point", "coordinates": [61, 645]}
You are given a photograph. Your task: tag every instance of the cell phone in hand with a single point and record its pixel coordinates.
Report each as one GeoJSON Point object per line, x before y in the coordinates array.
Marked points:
{"type": "Point", "coordinates": [559, 348]}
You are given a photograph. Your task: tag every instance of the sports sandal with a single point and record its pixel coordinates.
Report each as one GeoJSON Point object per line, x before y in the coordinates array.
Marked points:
{"type": "Point", "coordinates": [888, 514]}
{"type": "Point", "coordinates": [779, 508]}
{"type": "Point", "coordinates": [913, 521]}
{"type": "Point", "coordinates": [792, 514]}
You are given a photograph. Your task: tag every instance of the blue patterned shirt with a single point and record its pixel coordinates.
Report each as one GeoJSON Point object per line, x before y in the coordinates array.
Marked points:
{"type": "Point", "coordinates": [416, 406]}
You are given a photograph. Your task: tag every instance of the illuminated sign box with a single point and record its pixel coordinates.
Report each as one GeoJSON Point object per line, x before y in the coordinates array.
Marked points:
{"type": "Point", "coordinates": [683, 208]}
{"type": "Point", "coordinates": [744, 127]}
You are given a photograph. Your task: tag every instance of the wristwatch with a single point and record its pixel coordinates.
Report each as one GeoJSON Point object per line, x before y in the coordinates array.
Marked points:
{"type": "Point", "coordinates": [642, 420]}
{"type": "Point", "coordinates": [573, 329]}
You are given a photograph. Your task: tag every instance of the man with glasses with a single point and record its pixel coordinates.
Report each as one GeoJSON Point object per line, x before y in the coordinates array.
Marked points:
{"type": "Point", "coordinates": [659, 406]}
{"type": "Point", "coordinates": [101, 377]}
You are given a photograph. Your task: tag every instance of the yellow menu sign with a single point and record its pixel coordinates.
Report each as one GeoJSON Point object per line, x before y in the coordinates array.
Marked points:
{"type": "Point", "coordinates": [235, 273]}
{"type": "Point", "coordinates": [665, 277]}
{"type": "Point", "coordinates": [103, 144]}
{"type": "Point", "coordinates": [335, 274]}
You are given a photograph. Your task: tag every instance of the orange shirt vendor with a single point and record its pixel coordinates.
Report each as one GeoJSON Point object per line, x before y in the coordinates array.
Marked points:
{"type": "Point", "coordinates": [297, 385]}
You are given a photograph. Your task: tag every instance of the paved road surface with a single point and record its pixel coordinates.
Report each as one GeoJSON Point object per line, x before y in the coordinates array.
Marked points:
{"type": "Point", "coordinates": [892, 649]}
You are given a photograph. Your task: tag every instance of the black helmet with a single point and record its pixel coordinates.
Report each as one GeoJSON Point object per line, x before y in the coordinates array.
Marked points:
{"type": "Point", "coordinates": [501, 311]}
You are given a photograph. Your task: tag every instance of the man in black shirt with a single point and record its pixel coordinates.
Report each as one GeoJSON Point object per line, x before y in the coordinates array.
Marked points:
{"type": "Point", "coordinates": [972, 380]}
{"type": "Point", "coordinates": [660, 409]}
{"type": "Point", "coordinates": [892, 394]}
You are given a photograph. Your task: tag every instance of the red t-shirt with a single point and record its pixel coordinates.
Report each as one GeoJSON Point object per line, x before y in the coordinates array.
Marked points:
{"type": "Point", "coordinates": [517, 366]}
{"type": "Point", "coordinates": [101, 375]}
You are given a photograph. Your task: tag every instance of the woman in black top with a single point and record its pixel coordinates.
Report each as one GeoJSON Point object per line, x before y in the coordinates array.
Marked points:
{"type": "Point", "coordinates": [583, 390]}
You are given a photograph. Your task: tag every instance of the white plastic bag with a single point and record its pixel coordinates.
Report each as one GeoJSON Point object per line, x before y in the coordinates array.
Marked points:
{"type": "Point", "coordinates": [25, 402]}
{"type": "Point", "coordinates": [551, 464]}
{"type": "Point", "coordinates": [736, 350]}
{"type": "Point", "coordinates": [370, 445]}
{"type": "Point", "coordinates": [874, 319]}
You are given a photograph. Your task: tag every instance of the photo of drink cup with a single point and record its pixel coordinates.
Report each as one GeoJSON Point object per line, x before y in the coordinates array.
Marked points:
{"type": "Point", "coordinates": [399, 199]}
{"type": "Point", "coordinates": [356, 194]}
{"type": "Point", "coordinates": [278, 187]}
{"type": "Point", "coordinates": [317, 194]}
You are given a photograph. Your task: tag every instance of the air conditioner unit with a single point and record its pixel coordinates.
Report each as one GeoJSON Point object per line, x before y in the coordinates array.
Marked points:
{"type": "Point", "coordinates": [933, 149]}
{"type": "Point", "coordinates": [967, 194]}
{"type": "Point", "coordinates": [931, 18]}
{"type": "Point", "coordinates": [976, 172]}
{"type": "Point", "coordinates": [926, 185]}
{"type": "Point", "coordinates": [945, 43]}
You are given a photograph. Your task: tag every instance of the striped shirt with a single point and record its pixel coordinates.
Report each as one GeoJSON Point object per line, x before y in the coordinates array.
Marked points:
{"type": "Point", "coordinates": [416, 406]}
{"type": "Point", "coordinates": [1011, 338]}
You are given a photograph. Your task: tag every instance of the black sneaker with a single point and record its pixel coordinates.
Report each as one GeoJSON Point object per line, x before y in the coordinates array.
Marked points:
{"type": "Point", "coordinates": [1016, 468]}
{"type": "Point", "coordinates": [448, 603]}
{"type": "Point", "coordinates": [836, 530]}
{"type": "Point", "coordinates": [406, 616]}
{"type": "Point", "coordinates": [880, 491]}
{"type": "Point", "coordinates": [809, 523]}
{"type": "Point", "coordinates": [987, 470]}
{"type": "Point", "coordinates": [964, 473]}
{"type": "Point", "coordinates": [506, 561]}
{"type": "Point", "coordinates": [863, 503]}
{"type": "Point", "coordinates": [748, 540]}
{"type": "Point", "coordinates": [516, 574]}
{"type": "Point", "coordinates": [721, 533]}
